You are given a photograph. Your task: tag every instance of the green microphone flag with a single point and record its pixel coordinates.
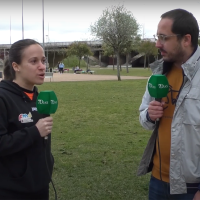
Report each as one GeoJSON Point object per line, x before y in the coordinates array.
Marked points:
{"type": "Point", "coordinates": [158, 86]}
{"type": "Point", "coordinates": [47, 102]}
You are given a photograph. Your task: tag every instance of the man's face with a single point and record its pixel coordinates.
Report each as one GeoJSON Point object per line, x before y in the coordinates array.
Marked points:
{"type": "Point", "coordinates": [170, 48]}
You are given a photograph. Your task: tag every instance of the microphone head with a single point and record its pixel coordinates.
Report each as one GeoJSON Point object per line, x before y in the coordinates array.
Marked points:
{"type": "Point", "coordinates": [47, 102]}
{"type": "Point", "coordinates": [158, 86]}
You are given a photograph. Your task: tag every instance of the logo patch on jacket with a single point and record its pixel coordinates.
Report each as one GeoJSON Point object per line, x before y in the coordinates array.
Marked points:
{"type": "Point", "coordinates": [34, 109]}
{"type": "Point", "coordinates": [25, 118]}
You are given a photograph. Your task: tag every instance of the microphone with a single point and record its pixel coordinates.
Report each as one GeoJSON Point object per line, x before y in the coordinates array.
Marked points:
{"type": "Point", "coordinates": [47, 103]}
{"type": "Point", "coordinates": [158, 86]}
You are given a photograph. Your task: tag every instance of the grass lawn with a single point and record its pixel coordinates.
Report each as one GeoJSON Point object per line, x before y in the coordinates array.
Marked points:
{"type": "Point", "coordinates": [132, 71]}
{"type": "Point", "coordinates": [97, 141]}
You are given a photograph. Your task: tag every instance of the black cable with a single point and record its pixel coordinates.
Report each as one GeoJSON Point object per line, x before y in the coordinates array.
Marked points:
{"type": "Point", "coordinates": [45, 141]}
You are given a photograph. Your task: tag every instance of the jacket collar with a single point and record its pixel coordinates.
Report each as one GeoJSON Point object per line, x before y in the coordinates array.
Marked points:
{"type": "Point", "coordinates": [190, 66]}
{"type": "Point", "coordinates": [16, 89]}
{"type": "Point", "coordinates": [157, 66]}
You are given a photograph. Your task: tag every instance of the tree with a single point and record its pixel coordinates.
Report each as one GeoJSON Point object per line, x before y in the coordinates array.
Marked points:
{"type": "Point", "coordinates": [72, 61]}
{"type": "Point", "coordinates": [79, 49]}
{"type": "Point", "coordinates": [148, 48]}
{"type": "Point", "coordinates": [62, 52]}
{"type": "Point", "coordinates": [108, 51]}
{"type": "Point", "coordinates": [136, 43]}
{"type": "Point", "coordinates": [131, 46]}
{"type": "Point", "coordinates": [116, 27]}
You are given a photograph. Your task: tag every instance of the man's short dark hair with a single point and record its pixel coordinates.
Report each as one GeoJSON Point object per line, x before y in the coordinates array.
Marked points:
{"type": "Point", "coordinates": [183, 23]}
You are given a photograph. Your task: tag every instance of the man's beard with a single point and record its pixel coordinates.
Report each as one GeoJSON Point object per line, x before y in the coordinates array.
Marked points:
{"type": "Point", "coordinates": [173, 57]}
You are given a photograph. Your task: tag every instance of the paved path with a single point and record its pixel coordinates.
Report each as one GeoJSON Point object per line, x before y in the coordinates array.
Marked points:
{"type": "Point", "coordinates": [57, 77]}
{"type": "Point", "coordinates": [86, 77]}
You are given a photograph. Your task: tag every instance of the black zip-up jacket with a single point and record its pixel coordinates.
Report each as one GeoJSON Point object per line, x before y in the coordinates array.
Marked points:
{"type": "Point", "coordinates": [23, 165]}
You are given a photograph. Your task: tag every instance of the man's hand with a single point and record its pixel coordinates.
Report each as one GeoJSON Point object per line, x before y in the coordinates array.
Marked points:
{"type": "Point", "coordinates": [155, 110]}
{"type": "Point", "coordinates": [197, 196]}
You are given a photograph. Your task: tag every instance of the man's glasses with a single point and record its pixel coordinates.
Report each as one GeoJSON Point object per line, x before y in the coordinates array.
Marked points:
{"type": "Point", "coordinates": [162, 38]}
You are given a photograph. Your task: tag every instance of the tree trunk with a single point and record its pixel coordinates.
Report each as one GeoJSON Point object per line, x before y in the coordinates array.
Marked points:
{"type": "Point", "coordinates": [113, 62]}
{"type": "Point", "coordinates": [120, 63]}
{"type": "Point", "coordinates": [127, 56]}
{"type": "Point", "coordinates": [79, 63]}
{"type": "Point", "coordinates": [87, 63]}
{"type": "Point", "coordinates": [148, 62]}
{"type": "Point", "coordinates": [100, 58]}
{"type": "Point", "coordinates": [120, 66]}
{"type": "Point", "coordinates": [118, 70]}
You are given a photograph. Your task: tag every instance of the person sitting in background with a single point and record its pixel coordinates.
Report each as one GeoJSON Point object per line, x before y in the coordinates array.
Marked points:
{"type": "Point", "coordinates": [89, 71]}
{"type": "Point", "coordinates": [76, 69]}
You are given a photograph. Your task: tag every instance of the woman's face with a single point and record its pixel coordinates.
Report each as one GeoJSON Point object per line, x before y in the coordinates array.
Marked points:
{"type": "Point", "coordinates": [31, 71]}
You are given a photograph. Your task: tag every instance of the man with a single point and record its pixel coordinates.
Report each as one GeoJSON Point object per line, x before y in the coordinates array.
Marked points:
{"type": "Point", "coordinates": [61, 67]}
{"type": "Point", "coordinates": [173, 151]}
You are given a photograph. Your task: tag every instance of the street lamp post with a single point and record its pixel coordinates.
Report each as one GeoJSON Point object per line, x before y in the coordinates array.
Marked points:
{"type": "Point", "coordinates": [47, 61]}
{"type": "Point", "coordinates": [43, 23]}
{"type": "Point", "coordinates": [22, 20]}
{"type": "Point", "coordinates": [10, 29]}
{"type": "Point", "coordinates": [5, 54]}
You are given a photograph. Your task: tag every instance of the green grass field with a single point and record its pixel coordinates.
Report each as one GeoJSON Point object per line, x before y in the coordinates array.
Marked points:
{"type": "Point", "coordinates": [109, 71]}
{"type": "Point", "coordinates": [97, 141]}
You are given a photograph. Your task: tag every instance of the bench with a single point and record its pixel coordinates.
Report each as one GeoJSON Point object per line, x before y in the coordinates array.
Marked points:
{"type": "Point", "coordinates": [64, 70]}
{"type": "Point", "coordinates": [78, 71]}
{"type": "Point", "coordinates": [55, 70]}
{"type": "Point", "coordinates": [49, 75]}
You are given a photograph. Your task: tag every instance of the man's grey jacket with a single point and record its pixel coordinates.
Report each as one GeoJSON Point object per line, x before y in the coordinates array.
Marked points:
{"type": "Point", "coordinates": [185, 129]}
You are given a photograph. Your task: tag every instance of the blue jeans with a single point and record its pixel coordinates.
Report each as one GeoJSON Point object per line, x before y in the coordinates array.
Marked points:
{"type": "Point", "coordinates": [159, 190]}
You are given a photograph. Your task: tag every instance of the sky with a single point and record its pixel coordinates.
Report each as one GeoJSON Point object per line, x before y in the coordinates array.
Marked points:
{"type": "Point", "coordinates": [70, 20]}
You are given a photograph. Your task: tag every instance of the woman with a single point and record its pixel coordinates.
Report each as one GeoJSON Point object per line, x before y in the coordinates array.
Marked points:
{"type": "Point", "coordinates": [26, 162]}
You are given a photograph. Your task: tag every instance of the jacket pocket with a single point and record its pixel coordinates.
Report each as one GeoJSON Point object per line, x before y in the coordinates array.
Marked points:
{"type": "Point", "coordinates": [192, 107]}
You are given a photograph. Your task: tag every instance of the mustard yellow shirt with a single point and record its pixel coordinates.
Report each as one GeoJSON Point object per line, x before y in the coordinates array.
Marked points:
{"type": "Point", "coordinates": [175, 79]}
